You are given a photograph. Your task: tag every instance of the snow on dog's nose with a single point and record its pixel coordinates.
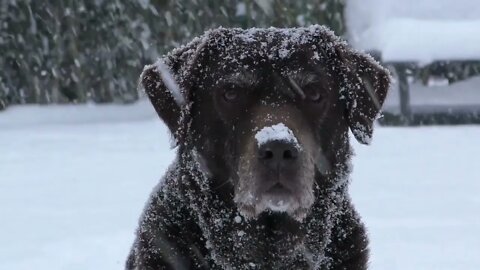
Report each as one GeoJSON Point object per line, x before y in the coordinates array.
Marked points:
{"type": "Point", "coordinates": [278, 147]}
{"type": "Point", "coordinates": [278, 132]}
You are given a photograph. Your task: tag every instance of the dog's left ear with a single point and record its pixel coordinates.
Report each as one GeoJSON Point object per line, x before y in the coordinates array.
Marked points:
{"type": "Point", "coordinates": [365, 85]}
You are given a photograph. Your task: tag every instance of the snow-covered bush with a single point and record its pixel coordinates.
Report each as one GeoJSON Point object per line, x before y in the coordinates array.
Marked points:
{"type": "Point", "coordinates": [78, 51]}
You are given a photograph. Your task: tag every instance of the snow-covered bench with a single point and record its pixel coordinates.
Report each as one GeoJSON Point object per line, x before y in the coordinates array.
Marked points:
{"type": "Point", "coordinates": [410, 34]}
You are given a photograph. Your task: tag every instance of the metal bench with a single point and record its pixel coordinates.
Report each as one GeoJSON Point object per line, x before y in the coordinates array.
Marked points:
{"type": "Point", "coordinates": [410, 39]}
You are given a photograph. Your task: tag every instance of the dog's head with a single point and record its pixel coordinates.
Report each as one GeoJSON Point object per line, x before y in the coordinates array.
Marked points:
{"type": "Point", "coordinates": [267, 111]}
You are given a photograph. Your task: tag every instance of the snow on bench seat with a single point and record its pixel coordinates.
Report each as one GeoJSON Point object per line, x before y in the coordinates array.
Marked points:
{"type": "Point", "coordinates": [423, 41]}
{"type": "Point", "coordinates": [416, 31]}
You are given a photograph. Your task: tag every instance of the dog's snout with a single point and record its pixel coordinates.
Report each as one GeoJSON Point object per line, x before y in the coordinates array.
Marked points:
{"type": "Point", "coordinates": [277, 154]}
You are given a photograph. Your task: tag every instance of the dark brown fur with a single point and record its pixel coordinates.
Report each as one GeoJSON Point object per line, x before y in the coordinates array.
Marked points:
{"type": "Point", "coordinates": [195, 218]}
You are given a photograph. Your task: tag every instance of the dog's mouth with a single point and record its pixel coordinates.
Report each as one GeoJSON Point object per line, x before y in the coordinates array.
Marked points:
{"type": "Point", "coordinates": [276, 185]}
{"type": "Point", "coordinates": [277, 197]}
{"type": "Point", "coordinates": [279, 189]}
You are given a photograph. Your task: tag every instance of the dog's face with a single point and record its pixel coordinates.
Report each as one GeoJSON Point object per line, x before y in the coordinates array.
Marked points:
{"type": "Point", "coordinates": [270, 116]}
{"type": "Point", "coordinates": [269, 111]}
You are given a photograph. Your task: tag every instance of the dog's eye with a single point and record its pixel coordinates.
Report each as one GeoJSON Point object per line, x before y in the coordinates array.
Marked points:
{"type": "Point", "coordinates": [230, 95]}
{"type": "Point", "coordinates": [313, 95]}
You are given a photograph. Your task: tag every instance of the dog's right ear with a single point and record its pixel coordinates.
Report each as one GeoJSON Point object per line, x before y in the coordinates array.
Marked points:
{"type": "Point", "coordinates": [164, 93]}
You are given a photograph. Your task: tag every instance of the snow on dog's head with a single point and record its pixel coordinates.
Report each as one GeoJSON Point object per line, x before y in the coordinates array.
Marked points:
{"type": "Point", "coordinates": [267, 110]}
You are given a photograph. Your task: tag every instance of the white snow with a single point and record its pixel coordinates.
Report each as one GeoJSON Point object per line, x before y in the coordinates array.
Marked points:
{"type": "Point", "coordinates": [277, 132]}
{"type": "Point", "coordinates": [289, 36]}
{"type": "Point", "coordinates": [74, 179]}
{"type": "Point", "coordinates": [241, 9]}
{"type": "Point", "coordinates": [73, 182]}
{"type": "Point", "coordinates": [417, 191]}
{"type": "Point", "coordinates": [265, 5]}
{"type": "Point", "coordinates": [420, 31]}
{"type": "Point", "coordinates": [169, 81]}
{"type": "Point", "coordinates": [238, 219]}
{"type": "Point", "coordinates": [277, 206]}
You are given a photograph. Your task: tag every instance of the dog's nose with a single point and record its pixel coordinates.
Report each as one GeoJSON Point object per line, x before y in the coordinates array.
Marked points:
{"type": "Point", "coordinates": [277, 154]}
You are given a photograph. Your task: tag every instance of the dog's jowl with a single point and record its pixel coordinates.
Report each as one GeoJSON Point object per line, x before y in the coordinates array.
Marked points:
{"type": "Point", "coordinates": [261, 121]}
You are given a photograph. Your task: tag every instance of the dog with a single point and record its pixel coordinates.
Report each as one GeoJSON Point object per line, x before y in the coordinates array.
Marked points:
{"type": "Point", "coordinates": [261, 121]}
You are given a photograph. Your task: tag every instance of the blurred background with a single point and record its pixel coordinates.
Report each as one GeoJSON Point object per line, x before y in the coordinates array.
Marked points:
{"type": "Point", "coordinates": [92, 51]}
{"type": "Point", "coordinates": [74, 174]}
{"type": "Point", "coordinates": [68, 51]}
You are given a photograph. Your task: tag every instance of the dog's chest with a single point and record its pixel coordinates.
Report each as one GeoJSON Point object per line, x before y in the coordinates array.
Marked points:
{"type": "Point", "coordinates": [259, 248]}
{"type": "Point", "coordinates": [267, 243]}
{"type": "Point", "coordinates": [273, 241]}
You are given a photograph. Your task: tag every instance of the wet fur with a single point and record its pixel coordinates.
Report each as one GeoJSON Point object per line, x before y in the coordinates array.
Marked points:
{"type": "Point", "coordinates": [192, 219]}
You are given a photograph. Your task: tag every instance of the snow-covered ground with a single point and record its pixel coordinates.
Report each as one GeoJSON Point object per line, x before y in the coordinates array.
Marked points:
{"type": "Point", "coordinates": [73, 181]}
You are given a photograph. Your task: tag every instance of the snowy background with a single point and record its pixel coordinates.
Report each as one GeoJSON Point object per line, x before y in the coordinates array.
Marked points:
{"type": "Point", "coordinates": [413, 30]}
{"type": "Point", "coordinates": [74, 179]}
{"type": "Point", "coordinates": [421, 32]}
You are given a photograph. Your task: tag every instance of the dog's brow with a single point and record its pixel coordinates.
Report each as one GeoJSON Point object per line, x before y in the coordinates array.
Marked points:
{"type": "Point", "coordinates": [304, 79]}
{"type": "Point", "coordinates": [297, 88]}
{"type": "Point", "coordinates": [244, 79]}
{"type": "Point", "coordinates": [299, 80]}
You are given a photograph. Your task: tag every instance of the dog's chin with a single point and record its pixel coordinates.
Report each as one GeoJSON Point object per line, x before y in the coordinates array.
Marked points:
{"type": "Point", "coordinates": [276, 201]}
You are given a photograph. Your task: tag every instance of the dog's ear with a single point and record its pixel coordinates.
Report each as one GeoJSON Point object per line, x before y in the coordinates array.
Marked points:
{"type": "Point", "coordinates": [168, 83]}
{"type": "Point", "coordinates": [364, 88]}
{"type": "Point", "coordinates": [161, 88]}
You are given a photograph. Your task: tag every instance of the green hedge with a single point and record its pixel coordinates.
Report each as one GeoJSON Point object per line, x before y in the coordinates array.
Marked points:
{"type": "Point", "coordinates": [67, 51]}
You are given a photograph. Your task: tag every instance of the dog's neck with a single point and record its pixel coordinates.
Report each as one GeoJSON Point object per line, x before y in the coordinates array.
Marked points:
{"type": "Point", "coordinates": [278, 238]}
